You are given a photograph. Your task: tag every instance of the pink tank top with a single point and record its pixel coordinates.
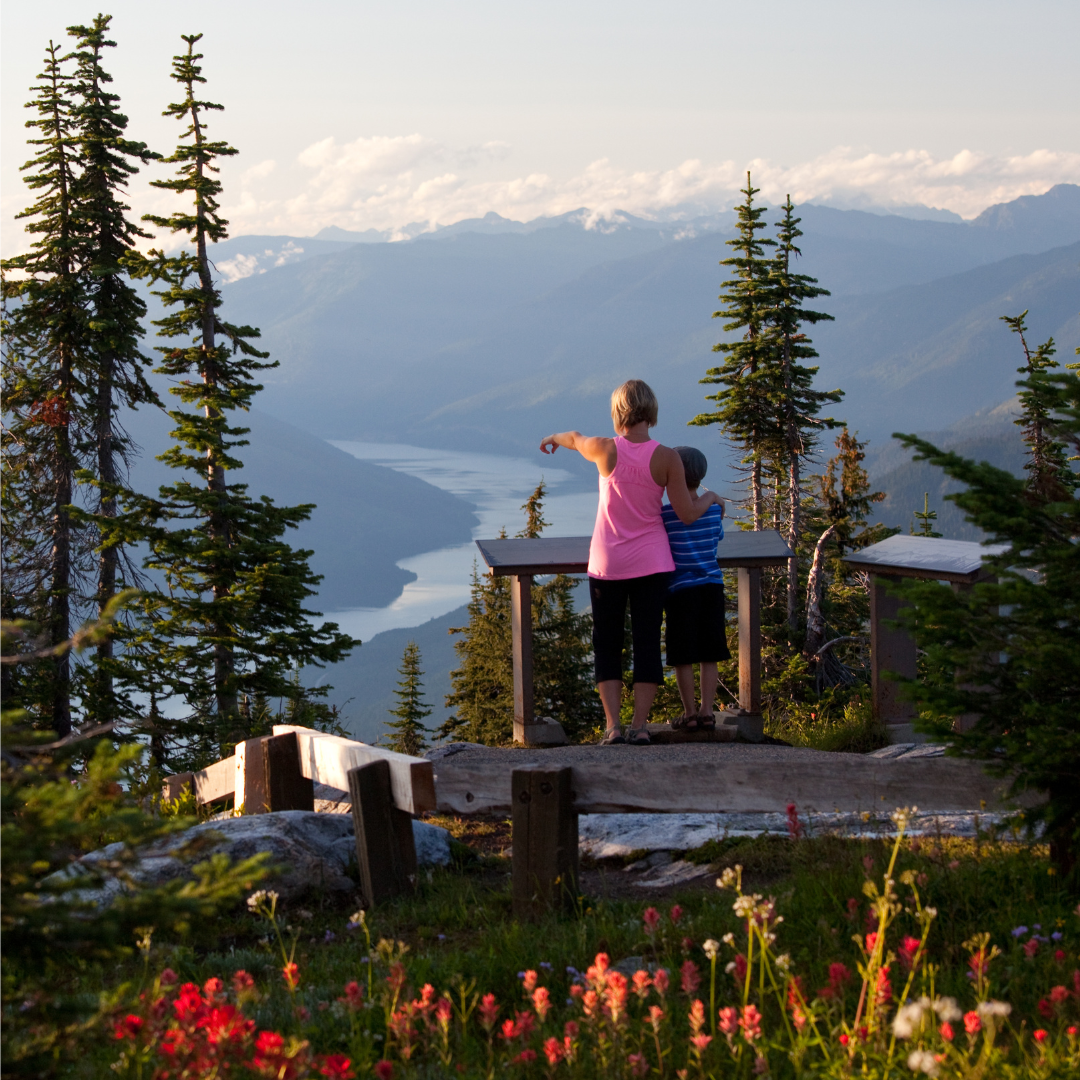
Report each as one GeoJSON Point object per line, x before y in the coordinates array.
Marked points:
{"type": "Point", "coordinates": [629, 539]}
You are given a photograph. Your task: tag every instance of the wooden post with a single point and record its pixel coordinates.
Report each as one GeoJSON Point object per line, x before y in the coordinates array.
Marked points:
{"type": "Point", "coordinates": [891, 649]}
{"type": "Point", "coordinates": [545, 841]}
{"type": "Point", "coordinates": [175, 786]}
{"type": "Point", "coordinates": [385, 848]}
{"type": "Point", "coordinates": [521, 634]}
{"type": "Point", "coordinates": [750, 639]}
{"type": "Point", "coordinates": [286, 787]}
{"type": "Point", "coordinates": [250, 789]}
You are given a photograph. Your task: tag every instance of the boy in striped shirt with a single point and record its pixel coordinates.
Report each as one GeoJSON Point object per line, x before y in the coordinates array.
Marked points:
{"type": "Point", "coordinates": [696, 630]}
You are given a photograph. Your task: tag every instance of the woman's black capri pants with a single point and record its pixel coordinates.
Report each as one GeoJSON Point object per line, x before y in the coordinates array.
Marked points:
{"type": "Point", "coordinates": [646, 596]}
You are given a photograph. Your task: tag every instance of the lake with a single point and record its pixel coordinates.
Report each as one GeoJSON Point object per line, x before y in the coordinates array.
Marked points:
{"type": "Point", "coordinates": [497, 486]}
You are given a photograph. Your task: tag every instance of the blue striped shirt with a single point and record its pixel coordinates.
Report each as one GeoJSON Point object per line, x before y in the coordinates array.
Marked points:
{"type": "Point", "coordinates": [693, 547]}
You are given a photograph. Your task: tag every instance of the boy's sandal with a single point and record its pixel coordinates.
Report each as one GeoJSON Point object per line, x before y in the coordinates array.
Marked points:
{"type": "Point", "coordinates": [612, 737]}
{"type": "Point", "coordinates": [640, 737]}
{"type": "Point", "coordinates": [684, 723]}
{"type": "Point", "coordinates": [707, 721]}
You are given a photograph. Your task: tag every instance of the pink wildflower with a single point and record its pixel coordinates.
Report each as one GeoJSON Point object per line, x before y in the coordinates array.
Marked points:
{"type": "Point", "coordinates": [553, 1051]}
{"type": "Point", "coordinates": [354, 996]}
{"type": "Point", "coordinates": [700, 1042]}
{"type": "Point", "coordinates": [242, 982]}
{"type": "Point", "coordinates": [169, 977]}
{"type": "Point", "coordinates": [291, 974]}
{"type": "Point", "coordinates": [336, 1067]}
{"type": "Point", "coordinates": [660, 981]}
{"type": "Point", "coordinates": [571, 1029]}
{"type": "Point", "coordinates": [729, 1021]}
{"type": "Point", "coordinates": [1030, 947]}
{"type": "Point", "coordinates": [489, 1012]}
{"type": "Point", "coordinates": [1039, 1035]}
{"type": "Point", "coordinates": [750, 1022]}
{"type": "Point", "coordinates": [946, 1030]}
{"type": "Point", "coordinates": [651, 918]}
{"type": "Point", "coordinates": [639, 1064]}
{"type": "Point", "coordinates": [656, 1014]}
{"type": "Point", "coordinates": [642, 982]}
{"type": "Point", "coordinates": [1059, 995]}
{"type": "Point", "coordinates": [541, 1000]}
{"type": "Point", "coordinates": [794, 826]}
{"type": "Point", "coordinates": [907, 951]}
{"type": "Point", "coordinates": [697, 1016]}
{"type": "Point", "coordinates": [384, 1070]}
{"type": "Point", "coordinates": [972, 1023]}
{"type": "Point", "coordinates": [884, 986]}
{"type": "Point", "coordinates": [691, 980]}
{"type": "Point", "coordinates": [129, 1027]}
{"type": "Point", "coordinates": [676, 913]}
{"type": "Point", "coordinates": [529, 981]}
{"type": "Point", "coordinates": [213, 986]}
{"type": "Point", "coordinates": [444, 1010]}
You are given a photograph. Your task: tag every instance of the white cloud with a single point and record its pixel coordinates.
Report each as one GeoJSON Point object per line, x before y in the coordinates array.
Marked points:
{"type": "Point", "coordinates": [258, 172]}
{"type": "Point", "coordinates": [386, 182]}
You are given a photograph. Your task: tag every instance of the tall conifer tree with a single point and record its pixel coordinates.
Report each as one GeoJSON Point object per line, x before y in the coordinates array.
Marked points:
{"type": "Point", "coordinates": [743, 407]}
{"type": "Point", "coordinates": [796, 402]}
{"type": "Point", "coordinates": [45, 391]}
{"type": "Point", "coordinates": [233, 620]}
{"type": "Point", "coordinates": [115, 364]}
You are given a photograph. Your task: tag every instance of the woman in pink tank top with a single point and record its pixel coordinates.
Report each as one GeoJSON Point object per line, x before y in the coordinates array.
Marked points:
{"type": "Point", "coordinates": [629, 557]}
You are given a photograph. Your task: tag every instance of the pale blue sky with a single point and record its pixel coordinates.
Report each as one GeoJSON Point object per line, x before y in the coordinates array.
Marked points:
{"type": "Point", "coordinates": [440, 110]}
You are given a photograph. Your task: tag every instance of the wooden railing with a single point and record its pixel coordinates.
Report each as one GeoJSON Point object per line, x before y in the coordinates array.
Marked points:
{"type": "Point", "coordinates": [387, 790]}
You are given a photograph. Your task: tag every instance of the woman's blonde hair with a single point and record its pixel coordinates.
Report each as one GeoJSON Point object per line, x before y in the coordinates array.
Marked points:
{"type": "Point", "coordinates": [633, 402]}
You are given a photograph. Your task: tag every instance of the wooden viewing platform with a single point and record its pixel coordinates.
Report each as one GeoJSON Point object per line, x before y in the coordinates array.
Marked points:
{"type": "Point", "coordinates": [957, 562]}
{"type": "Point", "coordinates": [522, 559]}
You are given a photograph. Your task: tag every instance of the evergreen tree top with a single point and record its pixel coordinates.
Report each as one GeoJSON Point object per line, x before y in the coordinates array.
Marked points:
{"type": "Point", "coordinates": [195, 158]}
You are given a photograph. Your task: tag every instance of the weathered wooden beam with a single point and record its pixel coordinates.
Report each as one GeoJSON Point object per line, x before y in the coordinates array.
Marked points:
{"type": "Point", "coordinates": [174, 786]}
{"type": "Point", "coordinates": [815, 781]}
{"type": "Point", "coordinates": [891, 649]}
{"type": "Point", "coordinates": [385, 848]}
{"type": "Point", "coordinates": [217, 781]}
{"type": "Point", "coordinates": [522, 648]}
{"type": "Point", "coordinates": [327, 759]}
{"type": "Point", "coordinates": [286, 786]}
{"type": "Point", "coordinates": [250, 789]}
{"type": "Point", "coordinates": [545, 841]}
{"type": "Point", "coordinates": [750, 639]}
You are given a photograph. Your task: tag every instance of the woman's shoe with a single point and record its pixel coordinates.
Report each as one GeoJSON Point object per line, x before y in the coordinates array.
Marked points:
{"type": "Point", "coordinates": [707, 721]}
{"type": "Point", "coordinates": [612, 737]}
{"type": "Point", "coordinates": [639, 737]}
{"type": "Point", "coordinates": [685, 723]}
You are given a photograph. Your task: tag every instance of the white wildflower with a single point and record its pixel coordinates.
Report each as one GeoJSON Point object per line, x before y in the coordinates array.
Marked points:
{"type": "Point", "coordinates": [930, 912]}
{"type": "Point", "coordinates": [728, 879]}
{"type": "Point", "coordinates": [783, 962]}
{"type": "Point", "coordinates": [711, 948]}
{"type": "Point", "coordinates": [990, 1010]}
{"type": "Point", "coordinates": [908, 1019]}
{"type": "Point", "coordinates": [923, 1061]}
{"type": "Point", "coordinates": [730, 967]}
{"type": "Point", "coordinates": [746, 906]}
{"type": "Point", "coordinates": [768, 937]}
{"type": "Point", "coordinates": [729, 939]}
{"type": "Point", "coordinates": [255, 899]}
{"type": "Point", "coordinates": [947, 1010]}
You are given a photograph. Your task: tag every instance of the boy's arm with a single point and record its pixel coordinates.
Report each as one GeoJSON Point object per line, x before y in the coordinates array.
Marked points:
{"type": "Point", "coordinates": [686, 506]}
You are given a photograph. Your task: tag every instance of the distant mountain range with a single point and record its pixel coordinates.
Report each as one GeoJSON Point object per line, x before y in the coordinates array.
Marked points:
{"type": "Point", "coordinates": [491, 339]}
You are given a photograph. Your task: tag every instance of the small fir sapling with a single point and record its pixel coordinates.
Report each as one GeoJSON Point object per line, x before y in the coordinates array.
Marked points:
{"type": "Point", "coordinates": [408, 730]}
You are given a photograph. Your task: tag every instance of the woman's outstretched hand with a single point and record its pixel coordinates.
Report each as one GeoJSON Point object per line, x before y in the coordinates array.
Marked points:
{"type": "Point", "coordinates": [551, 442]}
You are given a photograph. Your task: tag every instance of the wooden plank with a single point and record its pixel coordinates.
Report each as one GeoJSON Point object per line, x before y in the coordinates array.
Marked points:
{"type": "Point", "coordinates": [570, 554]}
{"type": "Point", "coordinates": [755, 782]}
{"type": "Point", "coordinates": [217, 781]}
{"type": "Point", "coordinates": [930, 557]}
{"type": "Point", "coordinates": [286, 786]}
{"type": "Point", "coordinates": [891, 649]}
{"type": "Point", "coordinates": [750, 639]}
{"type": "Point", "coordinates": [385, 848]}
{"type": "Point", "coordinates": [327, 759]}
{"type": "Point", "coordinates": [522, 650]}
{"type": "Point", "coordinates": [250, 790]}
{"type": "Point", "coordinates": [545, 842]}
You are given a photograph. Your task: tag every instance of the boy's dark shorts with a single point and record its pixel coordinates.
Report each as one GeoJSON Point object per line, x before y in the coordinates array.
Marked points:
{"type": "Point", "coordinates": [696, 631]}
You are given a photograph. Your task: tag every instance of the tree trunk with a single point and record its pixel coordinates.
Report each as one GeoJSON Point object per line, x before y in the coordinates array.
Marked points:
{"type": "Point", "coordinates": [756, 495]}
{"type": "Point", "coordinates": [794, 535]}
{"type": "Point", "coordinates": [109, 556]}
{"type": "Point", "coordinates": [60, 569]}
{"type": "Point", "coordinates": [815, 588]}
